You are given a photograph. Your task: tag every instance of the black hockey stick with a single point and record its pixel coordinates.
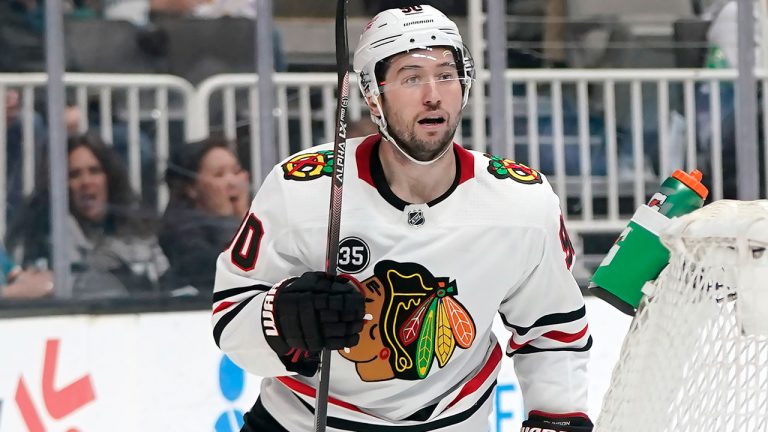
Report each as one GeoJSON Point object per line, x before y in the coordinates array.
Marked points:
{"type": "Point", "coordinates": [337, 181]}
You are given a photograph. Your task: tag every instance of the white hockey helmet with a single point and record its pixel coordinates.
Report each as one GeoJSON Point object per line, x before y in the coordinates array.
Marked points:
{"type": "Point", "coordinates": [401, 30]}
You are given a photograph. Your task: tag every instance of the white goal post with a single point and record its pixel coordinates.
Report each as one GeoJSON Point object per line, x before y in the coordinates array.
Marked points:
{"type": "Point", "coordinates": [696, 356]}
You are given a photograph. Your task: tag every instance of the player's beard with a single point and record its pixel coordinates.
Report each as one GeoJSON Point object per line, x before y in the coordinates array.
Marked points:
{"type": "Point", "coordinates": [420, 149]}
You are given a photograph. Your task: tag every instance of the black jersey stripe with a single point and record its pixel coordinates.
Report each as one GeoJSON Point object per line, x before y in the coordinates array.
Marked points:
{"type": "Point", "coordinates": [225, 294]}
{"type": "Point", "coordinates": [548, 320]}
{"type": "Point", "coordinates": [349, 425]}
{"type": "Point", "coordinates": [530, 349]}
{"type": "Point", "coordinates": [218, 329]}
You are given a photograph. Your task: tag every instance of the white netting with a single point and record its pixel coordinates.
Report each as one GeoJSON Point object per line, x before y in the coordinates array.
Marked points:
{"type": "Point", "coordinates": [690, 361]}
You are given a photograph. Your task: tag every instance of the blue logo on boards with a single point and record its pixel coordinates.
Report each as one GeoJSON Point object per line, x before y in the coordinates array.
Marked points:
{"type": "Point", "coordinates": [503, 411]}
{"type": "Point", "coordinates": [231, 384]}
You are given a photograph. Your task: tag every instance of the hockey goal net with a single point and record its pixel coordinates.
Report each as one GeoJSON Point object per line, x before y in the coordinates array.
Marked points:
{"type": "Point", "coordinates": [696, 355]}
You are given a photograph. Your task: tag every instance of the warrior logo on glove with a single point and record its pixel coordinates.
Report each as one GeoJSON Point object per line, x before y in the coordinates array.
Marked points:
{"type": "Point", "coordinates": [416, 319]}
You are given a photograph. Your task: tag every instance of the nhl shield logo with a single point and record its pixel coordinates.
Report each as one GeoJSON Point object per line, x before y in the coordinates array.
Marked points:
{"type": "Point", "coordinates": [416, 218]}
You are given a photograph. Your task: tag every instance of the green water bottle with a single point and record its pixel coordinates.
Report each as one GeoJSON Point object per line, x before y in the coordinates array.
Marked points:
{"type": "Point", "coordinates": [638, 256]}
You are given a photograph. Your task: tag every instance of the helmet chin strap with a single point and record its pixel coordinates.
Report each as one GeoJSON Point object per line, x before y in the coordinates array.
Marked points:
{"type": "Point", "coordinates": [382, 123]}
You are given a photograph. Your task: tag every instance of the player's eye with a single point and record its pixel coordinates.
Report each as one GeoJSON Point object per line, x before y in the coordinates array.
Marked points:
{"type": "Point", "coordinates": [412, 80]}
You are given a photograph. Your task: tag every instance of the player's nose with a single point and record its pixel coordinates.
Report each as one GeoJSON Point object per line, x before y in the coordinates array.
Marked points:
{"type": "Point", "coordinates": [431, 93]}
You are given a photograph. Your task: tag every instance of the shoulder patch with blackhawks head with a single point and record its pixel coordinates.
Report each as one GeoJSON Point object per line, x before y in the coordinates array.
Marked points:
{"type": "Point", "coordinates": [506, 168]}
{"type": "Point", "coordinates": [309, 166]}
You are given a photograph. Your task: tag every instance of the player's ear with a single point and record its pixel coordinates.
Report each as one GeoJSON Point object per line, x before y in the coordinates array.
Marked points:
{"type": "Point", "coordinates": [373, 106]}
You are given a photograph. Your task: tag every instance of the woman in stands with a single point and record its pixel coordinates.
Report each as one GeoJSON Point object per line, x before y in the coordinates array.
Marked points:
{"type": "Point", "coordinates": [209, 195]}
{"type": "Point", "coordinates": [111, 245]}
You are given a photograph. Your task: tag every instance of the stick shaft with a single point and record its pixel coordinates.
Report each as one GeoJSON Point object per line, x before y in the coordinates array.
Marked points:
{"type": "Point", "coordinates": [337, 183]}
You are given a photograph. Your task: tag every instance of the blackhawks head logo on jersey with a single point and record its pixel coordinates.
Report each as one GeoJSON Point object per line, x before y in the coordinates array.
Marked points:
{"type": "Point", "coordinates": [308, 166]}
{"type": "Point", "coordinates": [416, 319]}
{"type": "Point", "coordinates": [506, 168]}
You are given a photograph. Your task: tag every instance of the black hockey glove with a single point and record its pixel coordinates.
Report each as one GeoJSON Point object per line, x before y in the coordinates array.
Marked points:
{"type": "Point", "coordinates": [312, 312]}
{"type": "Point", "coordinates": [539, 421]}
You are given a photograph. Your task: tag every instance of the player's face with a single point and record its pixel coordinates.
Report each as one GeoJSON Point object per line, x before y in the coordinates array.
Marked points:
{"type": "Point", "coordinates": [422, 101]}
{"type": "Point", "coordinates": [87, 185]}
{"type": "Point", "coordinates": [220, 182]}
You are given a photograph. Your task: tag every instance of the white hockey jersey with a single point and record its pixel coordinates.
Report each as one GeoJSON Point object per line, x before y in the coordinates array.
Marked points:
{"type": "Point", "coordinates": [435, 275]}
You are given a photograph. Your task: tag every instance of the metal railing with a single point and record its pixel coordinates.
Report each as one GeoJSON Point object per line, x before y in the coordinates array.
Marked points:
{"type": "Point", "coordinates": [652, 147]}
{"type": "Point", "coordinates": [605, 138]}
{"type": "Point", "coordinates": [131, 99]}
{"type": "Point", "coordinates": [305, 101]}
{"type": "Point", "coordinates": [556, 116]}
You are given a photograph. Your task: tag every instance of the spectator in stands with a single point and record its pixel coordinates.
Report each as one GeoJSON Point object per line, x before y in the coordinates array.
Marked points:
{"type": "Point", "coordinates": [28, 284]}
{"type": "Point", "coordinates": [83, 9]}
{"type": "Point", "coordinates": [214, 9]}
{"type": "Point", "coordinates": [22, 46]}
{"type": "Point", "coordinates": [722, 53]}
{"type": "Point", "coordinates": [73, 117]}
{"type": "Point", "coordinates": [17, 283]}
{"type": "Point", "coordinates": [221, 8]}
{"type": "Point", "coordinates": [449, 7]}
{"type": "Point", "coordinates": [205, 8]}
{"type": "Point", "coordinates": [14, 137]}
{"type": "Point", "coordinates": [32, 12]}
{"type": "Point", "coordinates": [111, 246]}
{"type": "Point", "coordinates": [209, 195]}
{"type": "Point", "coordinates": [172, 7]}
{"type": "Point", "coordinates": [8, 268]}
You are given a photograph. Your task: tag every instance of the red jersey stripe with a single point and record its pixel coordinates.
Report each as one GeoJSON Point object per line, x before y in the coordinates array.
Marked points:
{"type": "Point", "coordinates": [513, 346]}
{"type": "Point", "coordinates": [466, 163]}
{"type": "Point", "coordinates": [300, 387]}
{"type": "Point", "coordinates": [554, 335]}
{"type": "Point", "coordinates": [363, 156]}
{"type": "Point", "coordinates": [566, 337]}
{"type": "Point", "coordinates": [474, 384]}
{"type": "Point", "coordinates": [223, 306]}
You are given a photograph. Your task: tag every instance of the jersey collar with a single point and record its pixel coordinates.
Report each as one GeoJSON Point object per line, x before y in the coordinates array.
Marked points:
{"type": "Point", "coordinates": [369, 170]}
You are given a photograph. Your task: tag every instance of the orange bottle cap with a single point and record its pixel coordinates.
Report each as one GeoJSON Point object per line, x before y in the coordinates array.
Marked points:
{"type": "Point", "coordinates": [693, 181]}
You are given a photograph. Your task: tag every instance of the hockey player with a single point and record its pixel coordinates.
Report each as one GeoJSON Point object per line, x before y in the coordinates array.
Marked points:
{"type": "Point", "coordinates": [435, 240]}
